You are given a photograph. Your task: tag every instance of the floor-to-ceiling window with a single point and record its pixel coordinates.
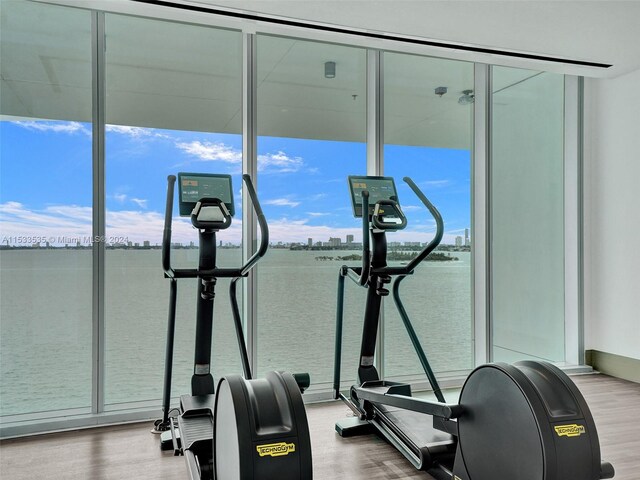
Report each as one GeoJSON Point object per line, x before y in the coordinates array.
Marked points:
{"type": "Point", "coordinates": [428, 112]}
{"type": "Point", "coordinates": [173, 104]}
{"type": "Point", "coordinates": [45, 209]}
{"type": "Point", "coordinates": [311, 101]}
{"type": "Point", "coordinates": [527, 215]}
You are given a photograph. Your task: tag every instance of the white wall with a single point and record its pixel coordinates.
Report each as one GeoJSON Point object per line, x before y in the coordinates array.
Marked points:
{"type": "Point", "coordinates": [612, 215]}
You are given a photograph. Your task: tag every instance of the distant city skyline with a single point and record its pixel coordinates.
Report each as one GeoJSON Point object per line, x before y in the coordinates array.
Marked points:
{"type": "Point", "coordinates": [71, 242]}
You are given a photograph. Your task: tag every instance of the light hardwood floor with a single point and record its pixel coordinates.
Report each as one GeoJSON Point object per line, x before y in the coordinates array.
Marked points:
{"type": "Point", "coordinates": [131, 451]}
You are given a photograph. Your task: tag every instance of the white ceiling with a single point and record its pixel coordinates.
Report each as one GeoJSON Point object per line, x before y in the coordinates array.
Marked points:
{"type": "Point", "coordinates": [185, 77]}
{"type": "Point", "coordinates": [601, 31]}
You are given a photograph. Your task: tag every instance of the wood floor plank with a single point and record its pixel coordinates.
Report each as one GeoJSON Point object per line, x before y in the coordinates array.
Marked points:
{"type": "Point", "coordinates": [131, 451]}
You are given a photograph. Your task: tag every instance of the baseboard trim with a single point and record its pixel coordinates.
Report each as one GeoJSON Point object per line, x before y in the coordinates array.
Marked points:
{"type": "Point", "coordinates": [615, 365]}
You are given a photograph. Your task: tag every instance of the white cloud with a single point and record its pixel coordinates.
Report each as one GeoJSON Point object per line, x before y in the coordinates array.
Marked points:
{"type": "Point", "coordinates": [124, 198]}
{"type": "Point", "coordinates": [279, 162]}
{"type": "Point", "coordinates": [283, 202]}
{"type": "Point", "coordinates": [318, 196]}
{"type": "Point", "coordinates": [131, 131]}
{"type": "Point", "coordinates": [137, 133]}
{"type": "Point", "coordinates": [411, 208]}
{"type": "Point", "coordinates": [208, 151]}
{"type": "Point", "coordinates": [77, 127]}
{"type": "Point", "coordinates": [142, 203]}
{"type": "Point", "coordinates": [318, 214]}
{"type": "Point", "coordinates": [16, 220]}
{"type": "Point", "coordinates": [435, 183]}
{"type": "Point", "coordinates": [73, 212]}
{"type": "Point", "coordinates": [53, 126]}
{"type": "Point", "coordinates": [68, 224]}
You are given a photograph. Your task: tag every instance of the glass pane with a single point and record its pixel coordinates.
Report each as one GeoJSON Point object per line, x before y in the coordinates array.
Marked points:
{"type": "Point", "coordinates": [428, 115]}
{"type": "Point", "coordinates": [45, 209]}
{"type": "Point", "coordinates": [173, 105]}
{"type": "Point", "coordinates": [527, 219]}
{"type": "Point", "coordinates": [312, 128]}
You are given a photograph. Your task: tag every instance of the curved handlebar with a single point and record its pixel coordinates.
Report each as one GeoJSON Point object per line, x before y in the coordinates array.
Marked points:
{"type": "Point", "coordinates": [166, 234]}
{"type": "Point", "coordinates": [264, 228]}
{"type": "Point", "coordinates": [439, 226]}
{"type": "Point", "coordinates": [366, 263]}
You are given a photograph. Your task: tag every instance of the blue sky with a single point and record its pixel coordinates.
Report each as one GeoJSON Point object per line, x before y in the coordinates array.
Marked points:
{"type": "Point", "coordinates": [46, 182]}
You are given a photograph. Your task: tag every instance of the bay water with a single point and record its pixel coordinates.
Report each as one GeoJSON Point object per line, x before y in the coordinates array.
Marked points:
{"type": "Point", "coordinates": [46, 326]}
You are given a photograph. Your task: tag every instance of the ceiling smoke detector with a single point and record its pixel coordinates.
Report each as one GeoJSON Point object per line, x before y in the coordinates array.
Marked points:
{"type": "Point", "coordinates": [329, 69]}
{"type": "Point", "coordinates": [467, 97]}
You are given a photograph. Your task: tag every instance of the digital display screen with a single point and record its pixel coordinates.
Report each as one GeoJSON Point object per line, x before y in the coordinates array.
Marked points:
{"type": "Point", "coordinates": [379, 188]}
{"type": "Point", "coordinates": [195, 186]}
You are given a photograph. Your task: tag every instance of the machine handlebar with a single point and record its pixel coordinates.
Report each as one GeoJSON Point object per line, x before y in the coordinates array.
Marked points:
{"type": "Point", "coordinates": [264, 228]}
{"type": "Point", "coordinates": [361, 275]}
{"type": "Point", "coordinates": [435, 241]}
{"type": "Point", "coordinates": [166, 234]}
{"type": "Point", "coordinates": [216, 272]}
{"type": "Point", "coordinates": [366, 254]}
{"type": "Point", "coordinates": [377, 220]}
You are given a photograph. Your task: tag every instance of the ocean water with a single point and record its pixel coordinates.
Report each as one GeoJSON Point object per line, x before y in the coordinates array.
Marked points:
{"type": "Point", "coordinates": [46, 323]}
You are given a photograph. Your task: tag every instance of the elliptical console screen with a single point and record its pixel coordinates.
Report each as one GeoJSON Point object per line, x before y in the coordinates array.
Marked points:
{"type": "Point", "coordinates": [379, 188]}
{"type": "Point", "coordinates": [195, 186]}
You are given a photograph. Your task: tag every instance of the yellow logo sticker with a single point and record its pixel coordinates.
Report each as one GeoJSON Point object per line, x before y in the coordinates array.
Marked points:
{"type": "Point", "coordinates": [570, 430]}
{"type": "Point", "coordinates": [276, 449]}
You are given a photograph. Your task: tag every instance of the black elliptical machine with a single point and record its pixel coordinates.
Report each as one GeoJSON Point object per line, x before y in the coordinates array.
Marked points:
{"type": "Point", "coordinates": [251, 428]}
{"type": "Point", "coordinates": [526, 421]}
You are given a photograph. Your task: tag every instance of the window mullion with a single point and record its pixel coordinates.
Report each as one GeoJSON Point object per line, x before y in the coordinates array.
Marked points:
{"type": "Point", "coordinates": [99, 210]}
{"type": "Point", "coordinates": [480, 287]}
{"type": "Point", "coordinates": [249, 220]}
{"type": "Point", "coordinates": [375, 154]}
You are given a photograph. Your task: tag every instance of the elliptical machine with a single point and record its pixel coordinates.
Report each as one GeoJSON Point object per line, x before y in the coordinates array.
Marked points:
{"type": "Point", "coordinates": [250, 428]}
{"type": "Point", "coordinates": [526, 421]}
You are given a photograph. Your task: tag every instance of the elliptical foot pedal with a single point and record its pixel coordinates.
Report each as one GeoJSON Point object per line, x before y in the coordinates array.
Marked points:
{"type": "Point", "coordinates": [170, 439]}
{"type": "Point", "coordinates": [166, 440]}
{"type": "Point", "coordinates": [353, 426]}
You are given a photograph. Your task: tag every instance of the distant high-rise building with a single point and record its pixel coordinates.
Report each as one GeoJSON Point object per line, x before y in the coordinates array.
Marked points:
{"type": "Point", "coordinates": [146, 244]}
{"type": "Point", "coordinates": [458, 241]}
{"type": "Point", "coordinates": [310, 242]}
{"type": "Point", "coordinates": [335, 242]}
{"type": "Point", "coordinates": [467, 241]}
{"type": "Point", "coordinates": [349, 239]}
